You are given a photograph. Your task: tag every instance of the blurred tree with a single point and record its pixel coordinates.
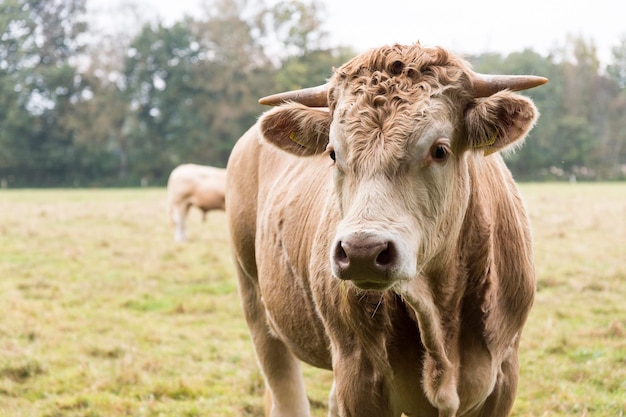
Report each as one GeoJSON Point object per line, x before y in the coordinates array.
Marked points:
{"type": "Point", "coordinates": [574, 135]}
{"type": "Point", "coordinates": [100, 122]}
{"type": "Point", "coordinates": [617, 68]}
{"type": "Point", "coordinates": [586, 98]}
{"type": "Point", "coordinates": [15, 29]}
{"type": "Point", "coordinates": [616, 144]}
{"type": "Point", "coordinates": [40, 84]}
{"type": "Point", "coordinates": [158, 78]}
{"type": "Point", "coordinates": [298, 26]}
{"type": "Point", "coordinates": [539, 150]}
{"type": "Point", "coordinates": [232, 77]}
{"type": "Point", "coordinates": [311, 68]}
{"type": "Point", "coordinates": [192, 89]}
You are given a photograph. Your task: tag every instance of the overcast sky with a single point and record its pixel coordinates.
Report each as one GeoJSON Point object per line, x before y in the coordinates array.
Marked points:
{"type": "Point", "coordinates": [464, 26]}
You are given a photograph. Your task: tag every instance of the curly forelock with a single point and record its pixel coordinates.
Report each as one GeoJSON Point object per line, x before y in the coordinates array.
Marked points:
{"type": "Point", "coordinates": [389, 89]}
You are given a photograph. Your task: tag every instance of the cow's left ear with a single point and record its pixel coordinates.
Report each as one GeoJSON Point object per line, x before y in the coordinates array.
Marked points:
{"type": "Point", "coordinates": [499, 121]}
{"type": "Point", "coordinates": [296, 128]}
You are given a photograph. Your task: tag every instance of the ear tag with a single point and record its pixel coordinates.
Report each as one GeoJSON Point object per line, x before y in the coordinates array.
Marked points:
{"type": "Point", "coordinates": [293, 136]}
{"type": "Point", "coordinates": [488, 151]}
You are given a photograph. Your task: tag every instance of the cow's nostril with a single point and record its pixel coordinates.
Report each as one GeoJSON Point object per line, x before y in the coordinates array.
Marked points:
{"type": "Point", "coordinates": [340, 255]}
{"type": "Point", "coordinates": [386, 256]}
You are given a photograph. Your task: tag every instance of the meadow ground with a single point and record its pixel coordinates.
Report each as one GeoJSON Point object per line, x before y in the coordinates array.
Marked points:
{"type": "Point", "coordinates": [102, 315]}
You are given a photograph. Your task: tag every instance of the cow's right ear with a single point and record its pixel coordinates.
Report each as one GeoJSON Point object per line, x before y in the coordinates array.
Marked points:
{"type": "Point", "coordinates": [499, 121]}
{"type": "Point", "coordinates": [297, 129]}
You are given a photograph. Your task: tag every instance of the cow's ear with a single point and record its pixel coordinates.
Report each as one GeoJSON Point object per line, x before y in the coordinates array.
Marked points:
{"type": "Point", "coordinates": [297, 129]}
{"type": "Point", "coordinates": [499, 121]}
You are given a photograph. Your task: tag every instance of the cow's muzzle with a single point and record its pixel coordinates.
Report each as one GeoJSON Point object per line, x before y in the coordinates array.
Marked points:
{"type": "Point", "coordinates": [368, 260]}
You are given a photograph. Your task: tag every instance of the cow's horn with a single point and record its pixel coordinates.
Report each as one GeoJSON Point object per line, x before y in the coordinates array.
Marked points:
{"type": "Point", "coordinates": [486, 85]}
{"type": "Point", "coordinates": [311, 97]}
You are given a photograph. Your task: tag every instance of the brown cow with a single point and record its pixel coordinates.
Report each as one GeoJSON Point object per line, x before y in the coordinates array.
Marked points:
{"type": "Point", "coordinates": [193, 185]}
{"type": "Point", "coordinates": [383, 239]}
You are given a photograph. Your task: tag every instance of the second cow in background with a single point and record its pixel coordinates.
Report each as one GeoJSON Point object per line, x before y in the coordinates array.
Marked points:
{"type": "Point", "coordinates": [193, 185]}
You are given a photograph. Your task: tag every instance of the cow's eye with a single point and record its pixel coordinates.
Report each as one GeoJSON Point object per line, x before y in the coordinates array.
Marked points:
{"type": "Point", "coordinates": [439, 153]}
{"type": "Point", "coordinates": [332, 155]}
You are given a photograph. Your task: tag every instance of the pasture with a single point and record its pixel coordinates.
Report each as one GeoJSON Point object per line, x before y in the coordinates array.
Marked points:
{"type": "Point", "coordinates": [103, 315]}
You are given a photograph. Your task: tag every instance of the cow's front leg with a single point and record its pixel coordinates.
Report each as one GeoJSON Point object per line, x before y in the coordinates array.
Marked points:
{"type": "Point", "coordinates": [333, 410]}
{"type": "Point", "coordinates": [283, 378]}
{"type": "Point", "coordinates": [285, 396]}
{"type": "Point", "coordinates": [179, 213]}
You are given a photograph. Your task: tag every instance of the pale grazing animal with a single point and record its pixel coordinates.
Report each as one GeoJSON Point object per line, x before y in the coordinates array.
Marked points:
{"type": "Point", "coordinates": [383, 237]}
{"type": "Point", "coordinates": [189, 185]}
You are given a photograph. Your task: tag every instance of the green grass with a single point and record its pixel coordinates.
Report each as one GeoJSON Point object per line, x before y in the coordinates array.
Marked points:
{"type": "Point", "coordinates": [103, 315]}
{"type": "Point", "coordinates": [573, 353]}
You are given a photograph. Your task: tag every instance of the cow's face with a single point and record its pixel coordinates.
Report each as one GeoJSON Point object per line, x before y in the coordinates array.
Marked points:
{"type": "Point", "coordinates": [398, 134]}
{"type": "Point", "coordinates": [396, 172]}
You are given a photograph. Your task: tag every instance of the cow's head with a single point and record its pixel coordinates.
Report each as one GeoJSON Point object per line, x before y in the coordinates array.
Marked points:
{"type": "Point", "coordinates": [400, 124]}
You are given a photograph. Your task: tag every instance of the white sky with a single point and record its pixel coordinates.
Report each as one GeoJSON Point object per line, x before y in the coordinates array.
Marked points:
{"type": "Point", "coordinates": [464, 26]}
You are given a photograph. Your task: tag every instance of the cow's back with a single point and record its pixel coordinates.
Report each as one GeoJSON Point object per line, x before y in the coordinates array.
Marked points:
{"type": "Point", "coordinates": [200, 185]}
{"type": "Point", "coordinates": [210, 190]}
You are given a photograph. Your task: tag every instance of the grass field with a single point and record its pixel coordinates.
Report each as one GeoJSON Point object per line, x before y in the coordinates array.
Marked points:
{"type": "Point", "coordinates": [102, 315]}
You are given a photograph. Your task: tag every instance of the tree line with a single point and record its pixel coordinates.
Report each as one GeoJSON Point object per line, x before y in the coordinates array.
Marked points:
{"type": "Point", "coordinates": [125, 109]}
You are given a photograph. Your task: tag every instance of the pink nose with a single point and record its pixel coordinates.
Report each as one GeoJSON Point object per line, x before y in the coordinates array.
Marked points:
{"type": "Point", "coordinates": [364, 258]}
